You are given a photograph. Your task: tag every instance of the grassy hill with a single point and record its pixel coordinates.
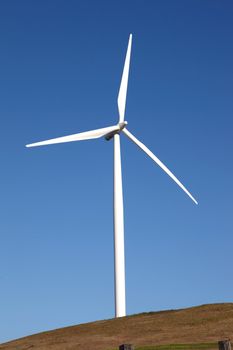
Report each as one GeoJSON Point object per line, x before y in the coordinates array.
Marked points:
{"type": "Point", "coordinates": [193, 328]}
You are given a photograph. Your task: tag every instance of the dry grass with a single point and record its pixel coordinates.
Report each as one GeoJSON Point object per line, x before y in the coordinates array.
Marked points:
{"type": "Point", "coordinates": [202, 324]}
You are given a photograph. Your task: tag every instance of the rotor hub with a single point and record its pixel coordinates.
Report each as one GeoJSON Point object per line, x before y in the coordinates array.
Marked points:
{"type": "Point", "coordinates": [121, 126]}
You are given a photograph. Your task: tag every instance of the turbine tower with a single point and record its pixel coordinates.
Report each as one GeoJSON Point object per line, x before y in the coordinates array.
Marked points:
{"type": "Point", "coordinates": [114, 132]}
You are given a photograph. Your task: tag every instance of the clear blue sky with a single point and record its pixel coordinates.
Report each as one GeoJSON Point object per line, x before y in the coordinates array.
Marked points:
{"type": "Point", "coordinates": [60, 68]}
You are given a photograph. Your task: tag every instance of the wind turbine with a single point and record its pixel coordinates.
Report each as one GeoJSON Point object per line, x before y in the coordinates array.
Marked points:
{"type": "Point", "coordinates": [109, 133]}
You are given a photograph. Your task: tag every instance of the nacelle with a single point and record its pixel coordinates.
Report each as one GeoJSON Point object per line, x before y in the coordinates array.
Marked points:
{"type": "Point", "coordinates": [111, 134]}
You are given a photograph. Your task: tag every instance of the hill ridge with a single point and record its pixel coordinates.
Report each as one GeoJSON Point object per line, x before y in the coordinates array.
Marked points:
{"type": "Point", "coordinates": [205, 323]}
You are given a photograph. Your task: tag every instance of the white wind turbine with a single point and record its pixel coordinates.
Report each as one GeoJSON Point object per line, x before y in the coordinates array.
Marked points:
{"type": "Point", "coordinates": [109, 133]}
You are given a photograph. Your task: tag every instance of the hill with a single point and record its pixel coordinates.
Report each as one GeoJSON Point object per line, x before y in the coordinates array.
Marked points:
{"type": "Point", "coordinates": [201, 326]}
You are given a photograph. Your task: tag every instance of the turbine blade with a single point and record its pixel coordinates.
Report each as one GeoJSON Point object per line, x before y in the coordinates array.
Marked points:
{"type": "Point", "coordinates": [87, 135]}
{"type": "Point", "coordinates": [157, 161]}
{"type": "Point", "coordinates": [121, 101]}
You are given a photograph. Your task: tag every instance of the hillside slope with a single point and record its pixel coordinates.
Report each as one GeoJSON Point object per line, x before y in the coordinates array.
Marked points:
{"type": "Point", "coordinates": [201, 324]}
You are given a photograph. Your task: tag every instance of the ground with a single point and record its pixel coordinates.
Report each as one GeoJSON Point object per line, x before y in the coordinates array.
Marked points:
{"type": "Point", "coordinates": [201, 327]}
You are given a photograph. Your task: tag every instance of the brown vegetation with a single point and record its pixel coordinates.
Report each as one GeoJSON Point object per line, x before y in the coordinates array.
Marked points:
{"type": "Point", "coordinates": [202, 324]}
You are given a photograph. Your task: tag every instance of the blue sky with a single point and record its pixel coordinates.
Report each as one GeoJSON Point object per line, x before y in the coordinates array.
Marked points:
{"type": "Point", "coordinates": [60, 67]}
